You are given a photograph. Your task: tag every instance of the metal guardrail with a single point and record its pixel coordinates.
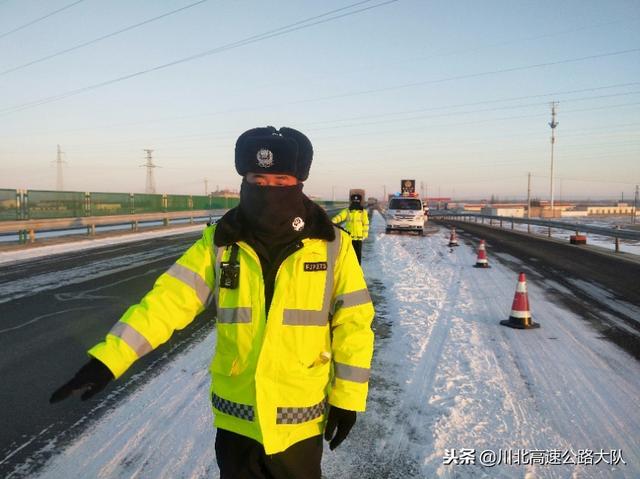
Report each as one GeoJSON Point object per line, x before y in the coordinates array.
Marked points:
{"type": "Point", "coordinates": [26, 229]}
{"type": "Point", "coordinates": [619, 233]}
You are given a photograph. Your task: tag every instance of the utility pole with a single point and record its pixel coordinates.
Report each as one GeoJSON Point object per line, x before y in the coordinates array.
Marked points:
{"type": "Point", "coordinates": [206, 187]}
{"type": "Point", "coordinates": [151, 183]}
{"type": "Point", "coordinates": [553, 124]}
{"type": "Point", "coordinates": [59, 162]}
{"type": "Point", "coordinates": [529, 201]}
{"type": "Point", "coordinates": [635, 204]}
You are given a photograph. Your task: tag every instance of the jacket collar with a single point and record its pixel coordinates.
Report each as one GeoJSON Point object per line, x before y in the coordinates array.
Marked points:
{"type": "Point", "coordinates": [231, 228]}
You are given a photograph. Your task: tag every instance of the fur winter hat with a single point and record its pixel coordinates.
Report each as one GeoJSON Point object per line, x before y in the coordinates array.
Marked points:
{"type": "Point", "coordinates": [267, 150]}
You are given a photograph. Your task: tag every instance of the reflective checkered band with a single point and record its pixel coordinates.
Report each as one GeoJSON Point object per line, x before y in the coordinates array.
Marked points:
{"type": "Point", "coordinates": [297, 415]}
{"type": "Point", "coordinates": [242, 411]}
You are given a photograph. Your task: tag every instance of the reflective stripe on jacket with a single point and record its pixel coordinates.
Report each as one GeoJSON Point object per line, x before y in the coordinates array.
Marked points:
{"type": "Point", "coordinates": [356, 222]}
{"type": "Point", "coordinates": [272, 377]}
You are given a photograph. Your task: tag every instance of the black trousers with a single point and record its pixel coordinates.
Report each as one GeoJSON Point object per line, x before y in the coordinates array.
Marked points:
{"type": "Point", "coordinates": [357, 245]}
{"type": "Point", "coordinates": [240, 457]}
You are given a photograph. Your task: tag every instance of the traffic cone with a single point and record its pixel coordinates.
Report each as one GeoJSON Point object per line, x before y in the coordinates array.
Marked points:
{"type": "Point", "coordinates": [482, 261]}
{"type": "Point", "coordinates": [520, 317]}
{"type": "Point", "coordinates": [453, 239]}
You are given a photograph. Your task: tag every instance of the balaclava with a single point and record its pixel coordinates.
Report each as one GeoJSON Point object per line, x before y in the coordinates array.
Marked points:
{"type": "Point", "coordinates": [275, 214]}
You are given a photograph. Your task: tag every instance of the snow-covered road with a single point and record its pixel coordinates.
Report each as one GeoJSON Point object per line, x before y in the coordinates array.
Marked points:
{"type": "Point", "coordinates": [447, 379]}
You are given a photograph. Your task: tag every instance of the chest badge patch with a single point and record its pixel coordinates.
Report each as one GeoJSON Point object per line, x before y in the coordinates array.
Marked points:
{"type": "Point", "coordinates": [297, 224]}
{"type": "Point", "coordinates": [318, 266]}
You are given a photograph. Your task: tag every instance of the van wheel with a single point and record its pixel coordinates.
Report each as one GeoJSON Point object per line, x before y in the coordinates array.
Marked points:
{"type": "Point", "coordinates": [387, 230]}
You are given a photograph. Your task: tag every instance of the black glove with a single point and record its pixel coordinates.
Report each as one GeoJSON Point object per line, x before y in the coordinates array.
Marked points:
{"type": "Point", "coordinates": [342, 420]}
{"type": "Point", "coordinates": [92, 378]}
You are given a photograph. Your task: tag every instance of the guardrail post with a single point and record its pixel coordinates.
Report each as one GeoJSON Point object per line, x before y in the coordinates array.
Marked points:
{"type": "Point", "coordinates": [134, 226]}
{"type": "Point", "coordinates": [549, 232]}
{"type": "Point", "coordinates": [25, 204]}
{"type": "Point", "coordinates": [32, 236]}
{"type": "Point", "coordinates": [512, 223]}
{"type": "Point", "coordinates": [617, 241]}
{"type": "Point", "coordinates": [165, 221]}
{"type": "Point", "coordinates": [91, 230]}
{"type": "Point", "coordinates": [500, 222]}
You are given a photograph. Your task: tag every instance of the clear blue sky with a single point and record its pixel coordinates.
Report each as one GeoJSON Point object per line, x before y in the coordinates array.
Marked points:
{"type": "Point", "coordinates": [453, 94]}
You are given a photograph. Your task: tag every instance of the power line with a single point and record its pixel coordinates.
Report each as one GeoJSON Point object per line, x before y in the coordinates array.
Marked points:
{"type": "Point", "coordinates": [474, 75]}
{"type": "Point", "coordinates": [33, 22]}
{"type": "Point", "coordinates": [468, 112]}
{"type": "Point", "coordinates": [98, 39]}
{"type": "Point", "coordinates": [485, 102]}
{"type": "Point", "coordinates": [300, 25]}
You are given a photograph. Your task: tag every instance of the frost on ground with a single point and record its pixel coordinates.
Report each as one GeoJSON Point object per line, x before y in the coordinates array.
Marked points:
{"type": "Point", "coordinates": [446, 376]}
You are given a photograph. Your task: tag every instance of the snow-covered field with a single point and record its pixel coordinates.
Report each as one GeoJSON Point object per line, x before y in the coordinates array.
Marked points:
{"type": "Point", "coordinates": [449, 386]}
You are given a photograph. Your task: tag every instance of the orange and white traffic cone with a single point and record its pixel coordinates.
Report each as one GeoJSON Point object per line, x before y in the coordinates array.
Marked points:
{"type": "Point", "coordinates": [520, 317]}
{"type": "Point", "coordinates": [453, 239]}
{"type": "Point", "coordinates": [482, 261]}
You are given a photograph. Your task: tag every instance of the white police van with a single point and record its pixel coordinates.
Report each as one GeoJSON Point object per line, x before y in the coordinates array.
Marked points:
{"type": "Point", "coordinates": [405, 211]}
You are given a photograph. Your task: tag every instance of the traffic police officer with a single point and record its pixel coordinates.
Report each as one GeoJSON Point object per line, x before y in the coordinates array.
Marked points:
{"type": "Point", "coordinates": [356, 222]}
{"type": "Point", "coordinates": [294, 339]}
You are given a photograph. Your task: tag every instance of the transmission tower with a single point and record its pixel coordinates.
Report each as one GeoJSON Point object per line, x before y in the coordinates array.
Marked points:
{"type": "Point", "coordinates": [59, 163]}
{"type": "Point", "coordinates": [553, 124]}
{"type": "Point", "coordinates": [151, 182]}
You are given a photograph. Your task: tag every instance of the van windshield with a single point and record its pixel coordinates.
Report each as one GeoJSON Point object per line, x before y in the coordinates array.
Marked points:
{"type": "Point", "coordinates": [405, 204]}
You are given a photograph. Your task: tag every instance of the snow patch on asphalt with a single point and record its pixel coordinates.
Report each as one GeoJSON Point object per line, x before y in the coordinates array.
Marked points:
{"type": "Point", "coordinates": [27, 254]}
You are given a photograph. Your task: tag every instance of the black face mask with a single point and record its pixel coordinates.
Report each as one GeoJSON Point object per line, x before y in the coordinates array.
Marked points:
{"type": "Point", "coordinates": [273, 214]}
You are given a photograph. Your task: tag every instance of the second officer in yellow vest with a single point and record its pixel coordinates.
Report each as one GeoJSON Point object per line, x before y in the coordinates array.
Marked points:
{"type": "Point", "coordinates": [294, 342]}
{"type": "Point", "coordinates": [356, 222]}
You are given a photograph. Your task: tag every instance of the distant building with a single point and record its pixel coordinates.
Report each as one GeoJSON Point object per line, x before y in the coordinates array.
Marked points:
{"type": "Point", "coordinates": [618, 209]}
{"type": "Point", "coordinates": [474, 206]}
{"type": "Point", "coordinates": [513, 210]}
{"type": "Point", "coordinates": [225, 194]}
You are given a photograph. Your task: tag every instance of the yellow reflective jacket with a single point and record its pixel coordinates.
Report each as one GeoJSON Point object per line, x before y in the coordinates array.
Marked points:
{"type": "Point", "coordinates": [356, 222]}
{"type": "Point", "coordinates": [272, 377]}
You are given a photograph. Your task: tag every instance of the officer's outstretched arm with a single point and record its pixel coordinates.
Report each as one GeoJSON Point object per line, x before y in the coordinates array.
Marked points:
{"type": "Point", "coordinates": [340, 217]}
{"type": "Point", "coordinates": [352, 337]}
{"type": "Point", "coordinates": [178, 295]}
